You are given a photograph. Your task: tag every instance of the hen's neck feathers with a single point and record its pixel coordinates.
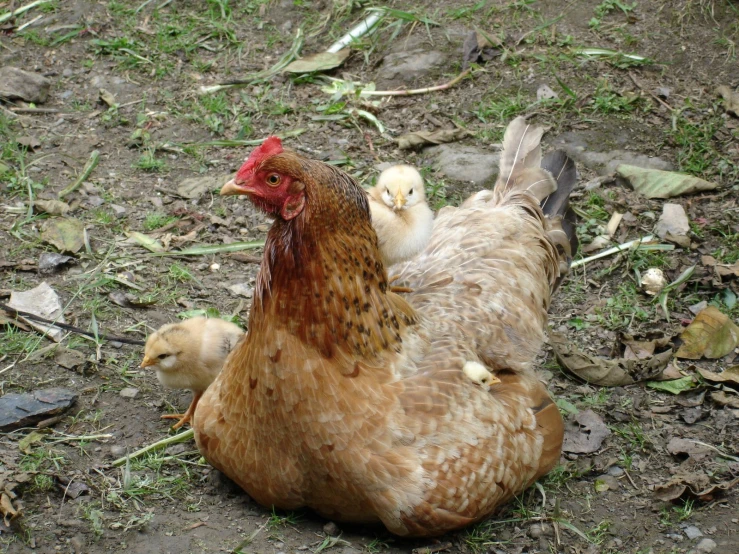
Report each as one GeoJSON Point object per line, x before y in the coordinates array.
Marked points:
{"type": "Point", "coordinates": [322, 277]}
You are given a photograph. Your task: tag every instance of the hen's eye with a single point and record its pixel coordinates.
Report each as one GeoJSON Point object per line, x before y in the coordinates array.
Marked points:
{"type": "Point", "coordinates": [273, 179]}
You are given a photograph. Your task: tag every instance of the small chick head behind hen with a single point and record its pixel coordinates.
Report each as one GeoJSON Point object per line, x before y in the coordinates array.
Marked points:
{"type": "Point", "coordinates": [400, 187]}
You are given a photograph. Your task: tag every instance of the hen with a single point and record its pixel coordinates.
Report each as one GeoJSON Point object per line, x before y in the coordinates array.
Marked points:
{"type": "Point", "coordinates": [400, 216]}
{"type": "Point", "coordinates": [423, 411]}
{"type": "Point", "coordinates": [189, 355]}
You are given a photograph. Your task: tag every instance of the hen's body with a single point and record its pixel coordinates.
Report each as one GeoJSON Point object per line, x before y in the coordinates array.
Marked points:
{"type": "Point", "coordinates": [352, 400]}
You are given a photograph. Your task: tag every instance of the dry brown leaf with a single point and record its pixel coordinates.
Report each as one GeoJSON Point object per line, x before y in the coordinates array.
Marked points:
{"type": "Point", "coordinates": [696, 485]}
{"type": "Point", "coordinates": [723, 399]}
{"type": "Point", "coordinates": [729, 375]}
{"type": "Point", "coordinates": [678, 446]}
{"type": "Point", "coordinates": [711, 335]}
{"type": "Point", "coordinates": [586, 434]}
{"type": "Point", "coordinates": [727, 270]}
{"type": "Point", "coordinates": [600, 371]}
{"type": "Point", "coordinates": [422, 138]}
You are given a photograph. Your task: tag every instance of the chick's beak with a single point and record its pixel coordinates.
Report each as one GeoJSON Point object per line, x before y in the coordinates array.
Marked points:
{"type": "Point", "coordinates": [399, 201]}
{"type": "Point", "coordinates": [146, 362]}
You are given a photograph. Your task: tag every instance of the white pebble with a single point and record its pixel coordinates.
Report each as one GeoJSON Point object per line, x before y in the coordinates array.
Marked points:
{"type": "Point", "coordinates": [215, 267]}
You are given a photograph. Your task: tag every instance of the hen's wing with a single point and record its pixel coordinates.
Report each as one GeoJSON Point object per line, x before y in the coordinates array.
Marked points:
{"type": "Point", "coordinates": [482, 288]}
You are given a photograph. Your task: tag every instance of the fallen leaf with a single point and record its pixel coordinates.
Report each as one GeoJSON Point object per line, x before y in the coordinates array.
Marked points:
{"type": "Point", "coordinates": [654, 183]}
{"type": "Point", "coordinates": [723, 399]}
{"type": "Point", "coordinates": [586, 434]}
{"type": "Point", "coordinates": [321, 61]}
{"type": "Point", "coordinates": [600, 371]}
{"type": "Point", "coordinates": [65, 234]}
{"type": "Point", "coordinates": [51, 262]}
{"type": "Point", "coordinates": [729, 375]}
{"type": "Point", "coordinates": [731, 99]}
{"type": "Point", "coordinates": [675, 386]}
{"type": "Point", "coordinates": [726, 270]}
{"type": "Point", "coordinates": [51, 207]}
{"type": "Point", "coordinates": [422, 138]}
{"type": "Point", "coordinates": [9, 512]}
{"type": "Point", "coordinates": [24, 445]}
{"type": "Point", "coordinates": [678, 446]}
{"type": "Point", "coordinates": [71, 359]}
{"type": "Point", "coordinates": [195, 187]}
{"type": "Point", "coordinates": [696, 485]}
{"type": "Point", "coordinates": [107, 98]}
{"type": "Point", "coordinates": [479, 47]}
{"type": "Point", "coordinates": [42, 301]}
{"type": "Point", "coordinates": [711, 335]}
{"type": "Point", "coordinates": [71, 488]}
{"type": "Point", "coordinates": [151, 244]}
{"type": "Point", "coordinates": [673, 225]}
{"type": "Point", "coordinates": [29, 142]}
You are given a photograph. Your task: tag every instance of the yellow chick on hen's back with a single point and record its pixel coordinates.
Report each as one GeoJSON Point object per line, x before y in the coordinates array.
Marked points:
{"type": "Point", "coordinates": [400, 215]}
{"type": "Point", "coordinates": [189, 355]}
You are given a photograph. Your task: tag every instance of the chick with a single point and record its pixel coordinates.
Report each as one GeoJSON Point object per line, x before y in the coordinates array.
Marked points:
{"type": "Point", "coordinates": [189, 355]}
{"type": "Point", "coordinates": [401, 218]}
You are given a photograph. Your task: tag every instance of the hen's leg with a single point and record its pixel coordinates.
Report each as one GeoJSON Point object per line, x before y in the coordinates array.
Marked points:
{"type": "Point", "coordinates": [397, 290]}
{"type": "Point", "coordinates": [187, 416]}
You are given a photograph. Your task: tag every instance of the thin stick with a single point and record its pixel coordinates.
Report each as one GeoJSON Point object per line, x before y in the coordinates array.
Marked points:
{"type": "Point", "coordinates": [91, 164]}
{"type": "Point", "coordinates": [615, 250]}
{"type": "Point", "coordinates": [650, 93]}
{"type": "Point", "coordinates": [22, 9]}
{"type": "Point", "coordinates": [411, 92]}
{"type": "Point", "coordinates": [182, 437]}
{"type": "Point", "coordinates": [29, 23]}
{"type": "Point", "coordinates": [35, 110]}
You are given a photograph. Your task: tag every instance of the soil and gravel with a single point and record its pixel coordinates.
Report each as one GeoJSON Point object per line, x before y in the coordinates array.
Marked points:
{"type": "Point", "coordinates": [124, 80]}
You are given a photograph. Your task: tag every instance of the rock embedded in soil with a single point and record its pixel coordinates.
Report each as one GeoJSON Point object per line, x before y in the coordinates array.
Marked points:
{"type": "Point", "coordinates": [409, 66]}
{"type": "Point", "coordinates": [129, 392]}
{"type": "Point", "coordinates": [22, 410]}
{"type": "Point", "coordinates": [585, 148]}
{"type": "Point", "coordinates": [673, 224]}
{"type": "Point", "coordinates": [465, 163]}
{"type": "Point", "coordinates": [706, 546]}
{"type": "Point", "coordinates": [692, 532]}
{"type": "Point", "coordinates": [16, 84]}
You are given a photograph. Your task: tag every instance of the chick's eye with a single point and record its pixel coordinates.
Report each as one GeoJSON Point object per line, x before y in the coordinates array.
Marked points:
{"type": "Point", "coordinates": [273, 179]}
{"type": "Point", "coordinates": [162, 356]}
{"type": "Point", "coordinates": [410, 192]}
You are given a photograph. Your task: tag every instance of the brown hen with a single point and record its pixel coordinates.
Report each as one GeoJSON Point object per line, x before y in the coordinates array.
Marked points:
{"type": "Point", "coordinates": [423, 411]}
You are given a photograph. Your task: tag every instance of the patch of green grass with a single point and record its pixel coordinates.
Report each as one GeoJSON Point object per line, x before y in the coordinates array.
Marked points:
{"type": "Point", "coordinates": [608, 101]}
{"type": "Point", "coordinates": [501, 108]}
{"type": "Point", "coordinates": [634, 434]}
{"type": "Point", "coordinates": [156, 220]}
{"type": "Point", "coordinates": [149, 162]}
{"type": "Point", "coordinates": [623, 308]}
{"type": "Point", "coordinates": [375, 545]}
{"type": "Point", "coordinates": [606, 7]}
{"type": "Point", "coordinates": [15, 341]}
{"type": "Point", "coordinates": [600, 398]}
{"type": "Point", "coordinates": [180, 274]}
{"type": "Point", "coordinates": [599, 533]}
{"type": "Point", "coordinates": [277, 520]}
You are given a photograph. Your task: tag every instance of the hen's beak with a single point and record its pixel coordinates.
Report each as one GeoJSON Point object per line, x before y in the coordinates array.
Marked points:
{"type": "Point", "coordinates": [231, 188]}
{"type": "Point", "coordinates": [146, 362]}
{"type": "Point", "coordinates": [399, 201]}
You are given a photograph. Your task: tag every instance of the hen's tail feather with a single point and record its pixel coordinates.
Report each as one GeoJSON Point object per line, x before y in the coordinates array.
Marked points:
{"type": "Point", "coordinates": [564, 172]}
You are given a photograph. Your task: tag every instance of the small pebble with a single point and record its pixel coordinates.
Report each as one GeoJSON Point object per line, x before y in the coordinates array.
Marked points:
{"type": "Point", "coordinates": [129, 392]}
{"type": "Point", "coordinates": [118, 211]}
{"type": "Point", "coordinates": [692, 532]}
{"type": "Point", "coordinates": [706, 545]}
{"type": "Point", "coordinates": [215, 267]}
{"type": "Point", "coordinates": [331, 529]}
{"type": "Point", "coordinates": [615, 471]}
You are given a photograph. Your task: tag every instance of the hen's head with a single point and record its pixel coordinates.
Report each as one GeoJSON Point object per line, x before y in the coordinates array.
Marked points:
{"type": "Point", "coordinates": [269, 182]}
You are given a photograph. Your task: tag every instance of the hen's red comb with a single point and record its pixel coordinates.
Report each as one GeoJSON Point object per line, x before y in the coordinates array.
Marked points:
{"type": "Point", "coordinates": [270, 147]}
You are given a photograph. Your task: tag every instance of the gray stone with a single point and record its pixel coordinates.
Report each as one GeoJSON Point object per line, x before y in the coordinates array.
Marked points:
{"type": "Point", "coordinates": [16, 84]}
{"type": "Point", "coordinates": [585, 148]}
{"type": "Point", "coordinates": [465, 163]}
{"type": "Point", "coordinates": [615, 471]}
{"type": "Point", "coordinates": [118, 211]}
{"type": "Point", "coordinates": [706, 545]}
{"type": "Point", "coordinates": [692, 532]}
{"type": "Point", "coordinates": [406, 67]}
{"type": "Point", "coordinates": [197, 186]}
{"type": "Point", "coordinates": [129, 392]}
{"type": "Point", "coordinates": [544, 92]}
{"type": "Point", "coordinates": [241, 289]}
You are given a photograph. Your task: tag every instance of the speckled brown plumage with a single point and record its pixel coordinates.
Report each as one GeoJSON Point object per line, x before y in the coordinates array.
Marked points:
{"type": "Point", "coordinates": [352, 400]}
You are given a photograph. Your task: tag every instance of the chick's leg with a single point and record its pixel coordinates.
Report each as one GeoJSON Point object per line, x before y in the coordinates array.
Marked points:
{"type": "Point", "coordinates": [187, 416]}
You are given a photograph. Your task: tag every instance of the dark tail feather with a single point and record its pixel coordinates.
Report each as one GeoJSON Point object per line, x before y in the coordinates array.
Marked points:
{"type": "Point", "coordinates": [564, 171]}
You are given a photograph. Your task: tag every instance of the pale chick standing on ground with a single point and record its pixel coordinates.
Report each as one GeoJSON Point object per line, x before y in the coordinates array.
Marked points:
{"type": "Point", "coordinates": [401, 218]}
{"type": "Point", "coordinates": [189, 355]}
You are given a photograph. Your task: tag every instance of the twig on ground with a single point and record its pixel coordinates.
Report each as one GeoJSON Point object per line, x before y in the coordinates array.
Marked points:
{"type": "Point", "coordinates": [21, 10]}
{"type": "Point", "coordinates": [650, 93]}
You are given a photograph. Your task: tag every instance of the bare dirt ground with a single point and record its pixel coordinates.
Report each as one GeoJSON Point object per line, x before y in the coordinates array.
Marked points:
{"type": "Point", "coordinates": [662, 111]}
